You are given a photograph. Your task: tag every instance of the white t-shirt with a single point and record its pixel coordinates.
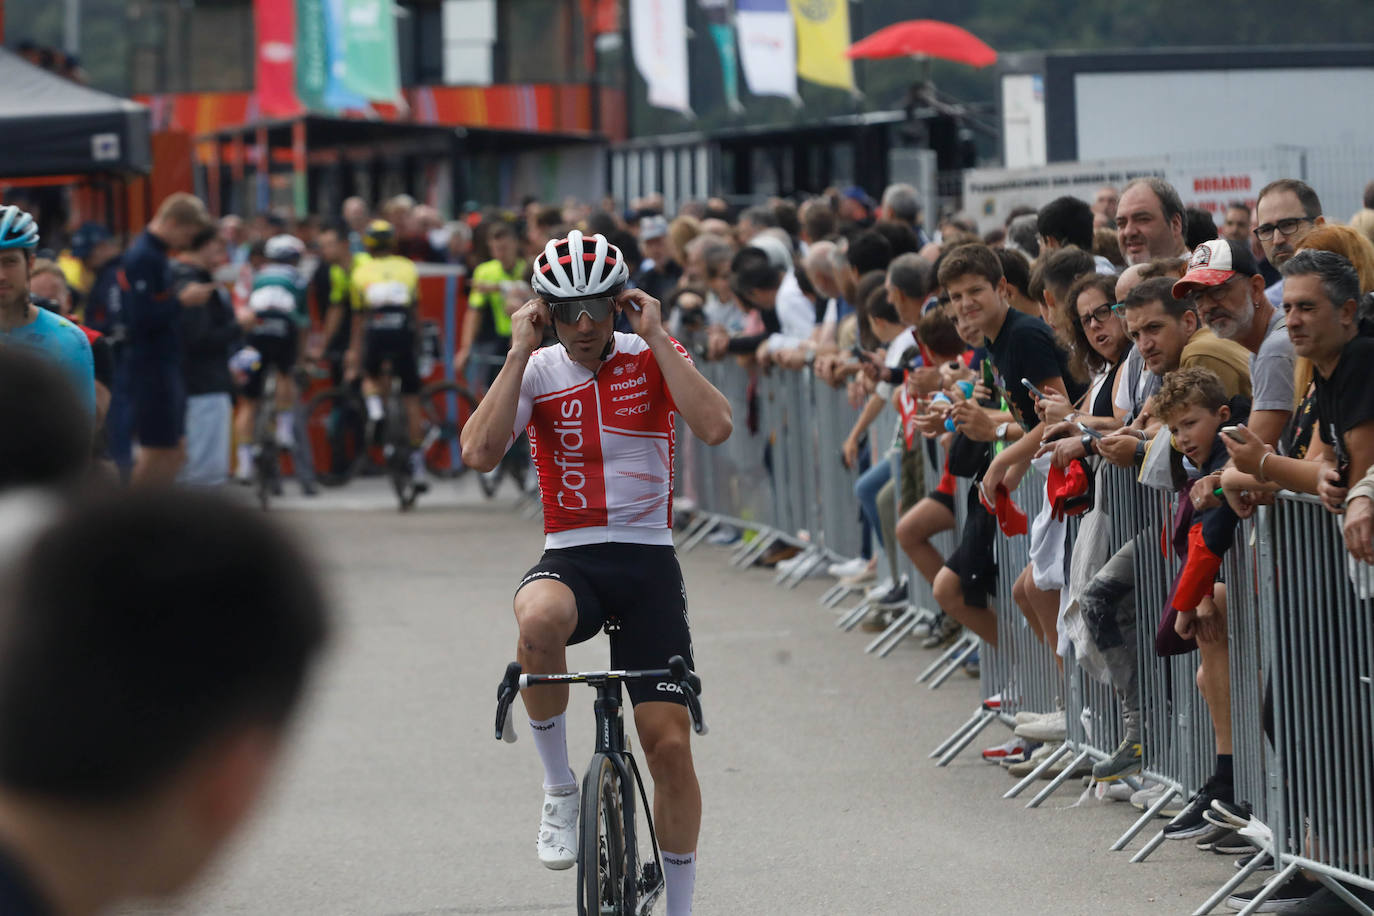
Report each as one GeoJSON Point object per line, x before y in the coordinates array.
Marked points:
{"type": "Point", "coordinates": [796, 315]}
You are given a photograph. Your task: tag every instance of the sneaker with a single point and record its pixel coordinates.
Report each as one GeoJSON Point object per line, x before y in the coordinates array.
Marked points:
{"type": "Point", "coordinates": [1017, 747]}
{"type": "Point", "coordinates": [1325, 902]}
{"type": "Point", "coordinates": [723, 536]}
{"type": "Point", "coordinates": [875, 592]}
{"type": "Point", "coordinates": [924, 628]}
{"type": "Point", "coordinates": [1208, 841]}
{"type": "Point", "coordinates": [1024, 717]}
{"type": "Point", "coordinates": [1124, 762]}
{"type": "Point", "coordinates": [776, 554]}
{"type": "Point", "coordinates": [945, 633]}
{"type": "Point", "coordinates": [847, 568]}
{"type": "Point", "coordinates": [1266, 861]}
{"type": "Point", "coordinates": [1190, 822]}
{"type": "Point", "coordinates": [1232, 843]}
{"type": "Point", "coordinates": [1228, 814]}
{"type": "Point", "coordinates": [895, 598]}
{"type": "Point", "coordinates": [1291, 893]}
{"type": "Point", "coordinates": [1063, 763]}
{"type": "Point", "coordinates": [972, 665]}
{"type": "Point", "coordinates": [558, 830]}
{"type": "Point", "coordinates": [993, 703]}
{"type": "Point", "coordinates": [1146, 798]}
{"type": "Point", "coordinates": [878, 620]}
{"type": "Point", "coordinates": [1119, 791]}
{"type": "Point", "coordinates": [1052, 727]}
{"type": "Point", "coordinates": [862, 577]}
{"type": "Point", "coordinates": [1024, 767]}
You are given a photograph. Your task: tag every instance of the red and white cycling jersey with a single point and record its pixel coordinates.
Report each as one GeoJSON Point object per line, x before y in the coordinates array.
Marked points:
{"type": "Point", "coordinates": [603, 445]}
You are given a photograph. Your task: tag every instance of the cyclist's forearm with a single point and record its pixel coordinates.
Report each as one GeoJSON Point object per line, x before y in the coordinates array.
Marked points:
{"type": "Point", "coordinates": [705, 409]}
{"type": "Point", "coordinates": [486, 435]}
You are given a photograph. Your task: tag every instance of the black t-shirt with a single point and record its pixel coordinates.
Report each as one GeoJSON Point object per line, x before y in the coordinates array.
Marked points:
{"type": "Point", "coordinates": [1346, 399]}
{"type": "Point", "coordinates": [1026, 348]}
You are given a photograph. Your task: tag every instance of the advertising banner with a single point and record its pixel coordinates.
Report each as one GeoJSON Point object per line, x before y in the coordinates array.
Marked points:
{"type": "Point", "coordinates": [658, 38]}
{"type": "Point", "coordinates": [822, 38]}
{"type": "Point", "coordinates": [275, 67]}
{"type": "Point", "coordinates": [768, 47]}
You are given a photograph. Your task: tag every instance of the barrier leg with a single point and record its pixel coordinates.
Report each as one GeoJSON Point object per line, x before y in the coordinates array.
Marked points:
{"type": "Point", "coordinates": [1059, 780]}
{"type": "Point", "coordinates": [907, 619]}
{"type": "Point", "coordinates": [752, 552]}
{"type": "Point", "coordinates": [985, 718]}
{"type": "Point", "coordinates": [975, 721]}
{"type": "Point", "coordinates": [1034, 774]}
{"type": "Point", "coordinates": [955, 663]}
{"type": "Point", "coordinates": [806, 561]}
{"type": "Point", "coordinates": [689, 537]}
{"type": "Point", "coordinates": [960, 645]}
{"type": "Point", "coordinates": [1348, 898]}
{"type": "Point", "coordinates": [838, 592]}
{"type": "Point", "coordinates": [896, 640]}
{"type": "Point", "coordinates": [1150, 814]}
{"type": "Point", "coordinates": [851, 618]}
{"type": "Point", "coordinates": [1148, 849]}
{"type": "Point", "coordinates": [1267, 891]}
{"type": "Point", "coordinates": [1230, 886]}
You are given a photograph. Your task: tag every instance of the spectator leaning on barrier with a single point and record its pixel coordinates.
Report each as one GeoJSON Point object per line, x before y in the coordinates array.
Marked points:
{"type": "Point", "coordinates": [901, 203]}
{"type": "Point", "coordinates": [112, 794]}
{"type": "Point", "coordinates": [1020, 347]}
{"type": "Point", "coordinates": [1150, 221]}
{"type": "Point", "coordinates": [658, 273]}
{"type": "Point", "coordinates": [1067, 221]}
{"type": "Point", "coordinates": [208, 332]}
{"type": "Point", "coordinates": [1286, 211]}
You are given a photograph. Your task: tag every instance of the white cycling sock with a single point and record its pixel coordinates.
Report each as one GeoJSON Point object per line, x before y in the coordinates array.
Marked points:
{"type": "Point", "coordinates": [286, 430]}
{"type": "Point", "coordinates": [551, 741]}
{"type": "Point", "coordinates": [245, 460]}
{"type": "Point", "coordinates": [375, 412]}
{"type": "Point", "coordinates": [679, 879]}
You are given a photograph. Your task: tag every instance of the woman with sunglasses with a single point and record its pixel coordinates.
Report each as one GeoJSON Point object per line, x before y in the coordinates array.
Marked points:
{"type": "Point", "coordinates": [600, 409]}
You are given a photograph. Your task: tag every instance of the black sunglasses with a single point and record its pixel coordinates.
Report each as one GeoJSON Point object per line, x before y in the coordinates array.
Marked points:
{"type": "Point", "coordinates": [1099, 314]}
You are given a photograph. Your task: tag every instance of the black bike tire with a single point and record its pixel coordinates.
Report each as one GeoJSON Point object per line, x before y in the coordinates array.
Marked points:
{"type": "Point", "coordinates": [601, 789]}
{"type": "Point", "coordinates": [468, 404]}
{"type": "Point", "coordinates": [328, 476]}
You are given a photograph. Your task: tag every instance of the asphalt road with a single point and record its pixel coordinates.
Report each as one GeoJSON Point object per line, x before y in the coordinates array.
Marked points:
{"type": "Point", "coordinates": [819, 797]}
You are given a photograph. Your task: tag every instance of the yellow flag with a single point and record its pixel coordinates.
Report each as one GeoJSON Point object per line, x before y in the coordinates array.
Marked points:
{"type": "Point", "coordinates": [822, 39]}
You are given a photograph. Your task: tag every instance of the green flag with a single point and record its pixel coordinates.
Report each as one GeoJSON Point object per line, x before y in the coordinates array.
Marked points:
{"type": "Point", "coordinates": [370, 64]}
{"type": "Point", "coordinates": [312, 59]}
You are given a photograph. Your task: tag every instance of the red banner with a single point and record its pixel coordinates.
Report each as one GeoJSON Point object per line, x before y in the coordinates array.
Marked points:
{"type": "Point", "coordinates": [275, 23]}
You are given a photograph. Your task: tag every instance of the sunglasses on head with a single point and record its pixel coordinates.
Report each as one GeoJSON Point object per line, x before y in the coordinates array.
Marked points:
{"type": "Point", "coordinates": [572, 312]}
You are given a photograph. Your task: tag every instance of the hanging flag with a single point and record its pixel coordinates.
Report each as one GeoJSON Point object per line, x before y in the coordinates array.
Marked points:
{"type": "Point", "coordinates": [658, 38]}
{"type": "Point", "coordinates": [768, 47]}
{"type": "Point", "coordinates": [363, 61]}
{"type": "Point", "coordinates": [337, 94]}
{"type": "Point", "coordinates": [275, 68]}
{"type": "Point", "coordinates": [720, 20]}
{"type": "Point", "coordinates": [822, 39]}
{"type": "Point", "coordinates": [312, 54]}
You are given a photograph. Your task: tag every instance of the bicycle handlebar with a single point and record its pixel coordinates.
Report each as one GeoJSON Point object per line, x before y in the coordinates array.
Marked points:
{"type": "Point", "coordinates": [677, 672]}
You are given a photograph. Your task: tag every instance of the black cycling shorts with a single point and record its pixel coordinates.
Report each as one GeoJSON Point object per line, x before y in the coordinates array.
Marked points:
{"type": "Point", "coordinates": [390, 338]}
{"type": "Point", "coordinates": [275, 337]}
{"type": "Point", "coordinates": [634, 592]}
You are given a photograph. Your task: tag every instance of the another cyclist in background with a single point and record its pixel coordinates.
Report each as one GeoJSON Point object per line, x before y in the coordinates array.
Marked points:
{"type": "Point", "coordinates": [600, 411]}
{"type": "Point", "coordinates": [499, 286]}
{"type": "Point", "coordinates": [275, 307]}
{"type": "Point", "coordinates": [386, 295]}
{"type": "Point", "coordinates": [334, 298]}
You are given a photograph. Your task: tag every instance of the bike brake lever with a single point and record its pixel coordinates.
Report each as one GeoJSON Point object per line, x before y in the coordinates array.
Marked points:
{"type": "Point", "coordinates": [505, 695]}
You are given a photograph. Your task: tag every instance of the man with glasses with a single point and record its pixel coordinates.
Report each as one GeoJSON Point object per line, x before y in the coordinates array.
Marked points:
{"type": "Point", "coordinates": [601, 413]}
{"type": "Point", "coordinates": [1287, 210]}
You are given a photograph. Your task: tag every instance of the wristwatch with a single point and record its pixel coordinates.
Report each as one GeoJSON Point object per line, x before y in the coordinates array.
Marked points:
{"type": "Point", "coordinates": [1087, 442]}
{"type": "Point", "coordinates": [1002, 431]}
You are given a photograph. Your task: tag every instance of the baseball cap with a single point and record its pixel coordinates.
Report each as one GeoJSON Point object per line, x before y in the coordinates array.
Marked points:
{"type": "Point", "coordinates": [1213, 263]}
{"type": "Point", "coordinates": [652, 227]}
{"type": "Point", "coordinates": [854, 192]}
{"type": "Point", "coordinates": [87, 236]}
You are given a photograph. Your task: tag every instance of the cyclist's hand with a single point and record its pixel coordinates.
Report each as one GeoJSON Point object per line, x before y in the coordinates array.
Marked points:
{"type": "Point", "coordinates": [643, 312]}
{"type": "Point", "coordinates": [527, 326]}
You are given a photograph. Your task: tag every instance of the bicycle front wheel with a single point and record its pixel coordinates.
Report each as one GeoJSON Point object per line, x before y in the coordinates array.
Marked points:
{"type": "Point", "coordinates": [606, 885]}
{"type": "Point", "coordinates": [336, 423]}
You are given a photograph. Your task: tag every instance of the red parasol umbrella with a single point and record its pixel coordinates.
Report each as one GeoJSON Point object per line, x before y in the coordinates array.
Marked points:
{"type": "Point", "coordinates": [925, 38]}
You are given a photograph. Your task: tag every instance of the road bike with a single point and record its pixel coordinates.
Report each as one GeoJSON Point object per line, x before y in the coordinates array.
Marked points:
{"type": "Point", "coordinates": [619, 870]}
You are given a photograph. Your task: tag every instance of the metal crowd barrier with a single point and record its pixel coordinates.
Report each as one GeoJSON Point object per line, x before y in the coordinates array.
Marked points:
{"type": "Point", "coordinates": [1298, 630]}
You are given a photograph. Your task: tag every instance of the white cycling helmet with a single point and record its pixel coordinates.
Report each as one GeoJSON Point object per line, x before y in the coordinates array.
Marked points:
{"type": "Point", "coordinates": [284, 249]}
{"type": "Point", "coordinates": [567, 270]}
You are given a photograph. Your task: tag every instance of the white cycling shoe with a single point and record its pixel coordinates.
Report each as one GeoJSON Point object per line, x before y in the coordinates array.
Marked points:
{"type": "Point", "coordinates": [558, 830]}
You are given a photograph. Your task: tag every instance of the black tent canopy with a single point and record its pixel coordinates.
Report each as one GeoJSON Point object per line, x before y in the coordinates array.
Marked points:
{"type": "Point", "coordinates": [53, 126]}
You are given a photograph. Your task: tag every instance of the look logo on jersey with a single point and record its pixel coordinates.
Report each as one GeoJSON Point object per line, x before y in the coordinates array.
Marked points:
{"type": "Point", "coordinates": [603, 445]}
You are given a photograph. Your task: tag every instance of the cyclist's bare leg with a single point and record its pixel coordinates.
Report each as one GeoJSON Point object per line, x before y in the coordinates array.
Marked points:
{"type": "Point", "coordinates": [286, 399]}
{"type": "Point", "coordinates": [245, 416]}
{"type": "Point", "coordinates": [665, 735]}
{"type": "Point", "coordinates": [158, 465]}
{"type": "Point", "coordinates": [546, 613]}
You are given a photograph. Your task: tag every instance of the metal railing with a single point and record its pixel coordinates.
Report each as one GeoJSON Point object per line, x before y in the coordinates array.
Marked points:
{"type": "Point", "coordinates": [1301, 636]}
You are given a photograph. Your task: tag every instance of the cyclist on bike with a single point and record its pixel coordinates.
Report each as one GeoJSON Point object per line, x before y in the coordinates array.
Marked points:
{"type": "Point", "coordinates": [600, 412]}
{"type": "Point", "coordinates": [276, 303]}
{"type": "Point", "coordinates": [385, 288]}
